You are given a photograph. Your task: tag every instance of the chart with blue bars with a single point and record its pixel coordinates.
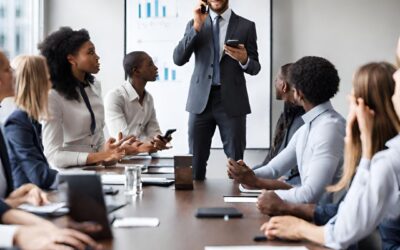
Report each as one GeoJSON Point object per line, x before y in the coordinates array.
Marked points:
{"type": "Point", "coordinates": [155, 26]}
{"type": "Point", "coordinates": [167, 74]}
{"type": "Point", "coordinates": [156, 9]}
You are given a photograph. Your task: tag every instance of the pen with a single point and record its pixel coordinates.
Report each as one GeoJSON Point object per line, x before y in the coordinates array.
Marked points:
{"type": "Point", "coordinates": [260, 238]}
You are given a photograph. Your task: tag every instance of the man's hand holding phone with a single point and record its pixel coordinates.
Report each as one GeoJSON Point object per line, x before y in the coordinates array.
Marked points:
{"type": "Point", "coordinates": [160, 142]}
{"type": "Point", "coordinates": [200, 14]}
{"type": "Point", "coordinates": [236, 50]}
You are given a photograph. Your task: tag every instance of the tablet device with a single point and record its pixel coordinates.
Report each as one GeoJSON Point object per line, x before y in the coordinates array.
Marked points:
{"type": "Point", "coordinates": [218, 212]}
{"type": "Point", "coordinates": [86, 202]}
{"type": "Point", "coordinates": [159, 170]}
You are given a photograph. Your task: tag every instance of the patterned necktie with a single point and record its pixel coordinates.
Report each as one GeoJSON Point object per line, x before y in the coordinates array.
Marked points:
{"type": "Point", "coordinates": [89, 107]}
{"type": "Point", "coordinates": [216, 76]}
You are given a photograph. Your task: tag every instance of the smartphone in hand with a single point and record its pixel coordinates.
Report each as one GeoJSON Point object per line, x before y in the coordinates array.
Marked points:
{"type": "Point", "coordinates": [204, 7]}
{"type": "Point", "coordinates": [233, 43]}
{"type": "Point", "coordinates": [168, 133]}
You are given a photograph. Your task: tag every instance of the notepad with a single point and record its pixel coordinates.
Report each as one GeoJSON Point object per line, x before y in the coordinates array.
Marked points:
{"type": "Point", "coordinates": [119, 179]}
{"type": "Point", "coordinates": [136, 222]}
{"type": "Point", "coordinates": [255, 248]}
{"type": "Point", "coordinates": [234, 199]}
{"type": "Point", "coordinates": [245, 190]}
{"type": "Point", "coordinates": [138, 157]}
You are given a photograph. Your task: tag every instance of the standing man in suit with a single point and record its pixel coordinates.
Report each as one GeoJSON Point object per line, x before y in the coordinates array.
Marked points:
{"type": "Point", "coordinates": [217, 93]}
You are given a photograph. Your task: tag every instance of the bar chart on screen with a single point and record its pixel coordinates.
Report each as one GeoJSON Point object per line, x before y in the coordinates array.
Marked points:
{"type": "Point", "coordinates": [155, 9]}
{"type": "Point", "coordinates": [157, 26]}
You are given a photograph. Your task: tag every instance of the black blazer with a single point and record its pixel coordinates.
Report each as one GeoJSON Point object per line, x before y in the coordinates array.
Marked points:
{"type": "Point", "coordinates": [3, 208]}
{"type": "Point", "coordinates": [234, 95]}
{"type": "Point", "coordinates": [25, 149]}
{"type": "Point", "coordinates": [6, 164]}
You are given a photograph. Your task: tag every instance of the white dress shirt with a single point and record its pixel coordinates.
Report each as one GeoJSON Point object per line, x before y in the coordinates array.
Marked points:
{"type": "Point", "coordinates": [7, 233]}
{"type": "Point", "coordinates": [374, 195]}
{"type": "Point", "coordinates": [7, 107]}
{"type": "Point", "coordinates": [125, 114]}
{"type": "Point", "coordinates": [223, 28]}
{"type": "Point", "coordinates": [317, 149]}
{"type": "Point", "coordinates": [67, 139]}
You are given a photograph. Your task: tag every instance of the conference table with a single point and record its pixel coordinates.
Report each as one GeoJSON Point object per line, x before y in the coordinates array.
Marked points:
{"type": "Point", "coordinates": [179, 229]}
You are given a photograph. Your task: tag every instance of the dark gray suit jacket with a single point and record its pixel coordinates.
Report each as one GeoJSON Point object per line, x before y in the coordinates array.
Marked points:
{"type": "Point", "coordinates": [233, 84]}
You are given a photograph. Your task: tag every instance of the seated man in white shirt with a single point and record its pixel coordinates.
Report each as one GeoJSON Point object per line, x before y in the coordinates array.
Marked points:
{"type": "Point", "coordinates": [316, 147]}
{"type": "Point", "coordinates": [130, 108]}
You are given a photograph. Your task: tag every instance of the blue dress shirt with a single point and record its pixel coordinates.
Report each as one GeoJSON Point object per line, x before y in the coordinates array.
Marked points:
{"type": "Point", "coordinates": [374, 195]}
{"type": "Point", "coordinates": [317, 149]}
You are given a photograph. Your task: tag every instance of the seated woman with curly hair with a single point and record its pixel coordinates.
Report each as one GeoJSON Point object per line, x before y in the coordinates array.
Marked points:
{"type": "Point", "coordinates": [73, 134]}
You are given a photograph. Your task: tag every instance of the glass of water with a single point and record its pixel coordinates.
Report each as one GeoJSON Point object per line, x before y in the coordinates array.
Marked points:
{"type": "Point", "coordinates": [133, 179]}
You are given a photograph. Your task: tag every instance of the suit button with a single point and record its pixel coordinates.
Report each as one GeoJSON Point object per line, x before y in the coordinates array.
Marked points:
{"type": "Point", "coordinates": [209, 76]}
{"type": "Point", "coordinates": [212, 65]}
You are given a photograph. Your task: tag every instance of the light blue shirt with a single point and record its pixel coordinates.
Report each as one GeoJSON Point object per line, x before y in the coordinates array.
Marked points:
{"type": "Point", "coordinates": [223, 28]}
{"type": "Point", "coordinates": [373, 195]}
{"type": "Point", "coordinates": [317, 148]}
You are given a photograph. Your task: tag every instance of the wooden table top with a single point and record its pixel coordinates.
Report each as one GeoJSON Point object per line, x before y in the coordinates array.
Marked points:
{"type": "Point", "coordinates": [179, 229]}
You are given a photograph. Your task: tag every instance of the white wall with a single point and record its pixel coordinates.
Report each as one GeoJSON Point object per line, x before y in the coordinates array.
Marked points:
{"type": "Point", "coordinates": [348, 33]}
{"type": "Point", "coordinates": [104, 19]}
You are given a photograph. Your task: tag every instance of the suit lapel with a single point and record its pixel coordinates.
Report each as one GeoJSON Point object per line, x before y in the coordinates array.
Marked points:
{"type": "Point", "coordinates": [233, 21]}
{"type": "Point", "coordinates": [209, 32]}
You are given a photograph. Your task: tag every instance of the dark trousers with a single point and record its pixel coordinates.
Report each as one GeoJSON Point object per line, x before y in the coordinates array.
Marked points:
{"type": "Point", "coordinates": [201, 130]}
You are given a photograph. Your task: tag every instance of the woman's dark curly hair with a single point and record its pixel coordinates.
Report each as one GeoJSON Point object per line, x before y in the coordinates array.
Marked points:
{"type": "Point", "coordinates": [316, 77]}
{"type": "Point", "coordinates": [56, 47]}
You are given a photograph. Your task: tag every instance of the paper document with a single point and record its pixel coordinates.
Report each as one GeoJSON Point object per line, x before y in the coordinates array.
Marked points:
{"type": "Point", "coordinates": [138, 157]}
{"type": "Point", "coordinates": [245, 190]}
{"type": "Point", "coordinates": [136, 222]}
{"type": "Point", "coordinates": [119, 179]}
{"type": "Point", "coordinates": [250, 199]}
{"type": "Point", "coordinates": [45, 209]}
{"type": "Point", "coordinates": [255, 248]}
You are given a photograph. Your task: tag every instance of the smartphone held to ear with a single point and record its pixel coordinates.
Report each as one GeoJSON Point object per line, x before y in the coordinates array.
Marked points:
{"type": "Point", "coordinates": [204, 7]}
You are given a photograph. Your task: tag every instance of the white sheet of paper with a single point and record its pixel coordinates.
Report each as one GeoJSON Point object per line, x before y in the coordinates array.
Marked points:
{"type": "Point", "coordinates": [50, 208]}
{"type": "Point", "coordinates": [136, 222]}
{"type": "Point", "coordinates": [119, 179]}
{"type": "Point", "coordinates": [240, 199]}
{"type": "Point", "coordinates": [255, 248]}
{"type": "Point", "coordinates": [245, 190]}
{"type": "Point", "coordinates": [138, 157]}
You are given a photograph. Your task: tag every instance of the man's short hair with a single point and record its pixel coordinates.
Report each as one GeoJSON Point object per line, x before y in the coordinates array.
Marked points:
{"type": "Point", "coordinates": [316, 77]}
